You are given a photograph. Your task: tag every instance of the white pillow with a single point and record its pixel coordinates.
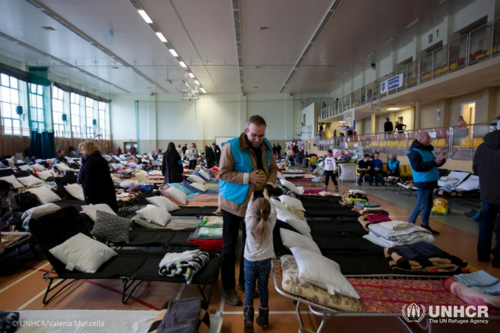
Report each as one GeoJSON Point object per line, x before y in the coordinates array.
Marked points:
{"type": "Point", "coordinates": [76, 191]}
{"type": "Point", "coordinates": [178, 195]}
{"type": "Point", "coordinates": [199, 187]}
{"type": "Point", "coordinates": [91, 210]}
{"type": "Point", "coordinates": [128, 183]}
{"type": "Point", "coordinates": [25, 167]}
{"type": "Point", "coordinates": [141, 175]}
{"type": "Point", "coordinates": [289, 185]}
{"type": "Point", "coordinates": [196, 179]}
{"type": "Point", "coordinates": [292, 239]}
{"type": "Point", "coordinates": [38, 167]}
{"type": "Point", "coordinates": [472, 183]}
{"type": "Point", "coordinates": [62, 166]}
{"type": "Point", "coordinates": [356, 191]}
{"type": "Point", "coordinates": [292, 201]}
{"type": "Point", "coordinates": [301, 226]}
{"type": "Point", "coordinates": [45, 195]}
{"type": "Point", "coordinates": [30, 180]}
{"type": "Point", "coordinates": [82, 253]}
{"type": "Point", "coordinates": [322, 272]}
{"type": "Point", "coordinates": [163, 202]}
{"type": "Point", "coordinates": [278, 204]}
{"type": "Point", "coordinates": [155, 215]}
{"type": "Point", "coordinates": [37, 212]}
{"type": "Point", "coordinates": [12, 180]}
{"type": "Point", "coordinates": [45, 174]}
{"type": "Point", "coordinates": [204, 174]}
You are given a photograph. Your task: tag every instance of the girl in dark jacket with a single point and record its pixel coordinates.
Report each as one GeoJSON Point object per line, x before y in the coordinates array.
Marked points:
{"type": "Point", "coordinates": [95, 178]}
{"type": "Point", "coordinates": [171, 166]}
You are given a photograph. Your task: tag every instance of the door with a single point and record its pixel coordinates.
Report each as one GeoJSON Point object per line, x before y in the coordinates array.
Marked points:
{"type": "Point", "coordinates": [469, 112]}
{"type": "Point", "coordinates": [127, 146]}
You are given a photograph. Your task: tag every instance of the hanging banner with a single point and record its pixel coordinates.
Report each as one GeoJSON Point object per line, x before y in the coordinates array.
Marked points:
{"type": "Point", "coordinates": [392, 83]}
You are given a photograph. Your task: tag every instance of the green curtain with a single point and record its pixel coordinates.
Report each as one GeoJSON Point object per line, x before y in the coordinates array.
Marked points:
{"type": "Point", "coordinates": [40, 76]}
{"type": "Point", "coordinates": [43, 144]}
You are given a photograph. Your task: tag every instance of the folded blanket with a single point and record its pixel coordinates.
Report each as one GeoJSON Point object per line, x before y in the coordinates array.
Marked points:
{"type": "Point", "coordinates": [473, 296]}
{"type": "Point", "coordinates": [183, 316]}
{"type": "Point", "coordinates": [210, 233]}
{"type": "Point", "coordinates": [173, 257]}
{"type": "Point", "coordinates": [396, 235]}
{"type": "Point", "coordinates": [387, 243]}
{"type": "Point", "coordinates": [212, 221]}
{"type": "Point", "coordinates": [481, 281]}
{"type": "Point", "coordinates": [397, 225]}
{"type": "Point", "coordinates": [186, 268]}
{"type": "Point", "coordinates": [378, 217]}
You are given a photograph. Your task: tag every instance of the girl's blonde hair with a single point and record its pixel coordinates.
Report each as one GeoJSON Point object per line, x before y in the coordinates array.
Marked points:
{"type": "Point", "coordinates": [261, 209]}
{"type": "Point", "coordinates": [90, 147]}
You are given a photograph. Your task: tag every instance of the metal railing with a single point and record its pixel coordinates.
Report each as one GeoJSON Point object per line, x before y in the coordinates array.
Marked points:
{"type": "Point", "coordinates": [454, 143]}
{"type": "Point", "coordinates": [479, 45]}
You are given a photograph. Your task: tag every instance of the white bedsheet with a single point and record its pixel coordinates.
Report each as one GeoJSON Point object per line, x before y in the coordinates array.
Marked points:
{"type": "Point", "coordinates": [106, 321]}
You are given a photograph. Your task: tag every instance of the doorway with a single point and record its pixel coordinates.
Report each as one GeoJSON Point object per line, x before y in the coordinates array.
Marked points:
{"type": "Point", "coordinates": [400, 120]}
{"type": "Point", "coordinates": [469, 112]}
{"type": "Point", "coordinates": [128, 145]}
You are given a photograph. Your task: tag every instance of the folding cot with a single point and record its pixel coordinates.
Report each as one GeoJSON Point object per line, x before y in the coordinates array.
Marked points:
{"type": "Point", "coordinates": [15, 240]}
{"type": "Point", "coordinates": [132, 267]}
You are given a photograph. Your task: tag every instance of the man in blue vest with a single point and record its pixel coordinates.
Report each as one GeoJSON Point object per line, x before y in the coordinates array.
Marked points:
{"type": "Point", "coordinates": [240, 159]}
{"type": "Point", "coordinates": [424, 166]}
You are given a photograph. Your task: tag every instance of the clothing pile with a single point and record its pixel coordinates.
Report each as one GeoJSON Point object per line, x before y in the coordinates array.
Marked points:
{"type": "Point", "coordinates": [350, 197]}
{"type": "Point", "coordinates": [393, 233]}
{"type": "Point", "coordinates": [423, 257]}
{"type": "Point", "coordinates": [185, 264]}
{"type": "Point", "coordinates": [481, 281]}
{"type": "Point", "coordinates": [364, 207]}
{"type": "Point", "coordinates": [208, 234]}
{"type": "Point", "coordinates": [373, 218]}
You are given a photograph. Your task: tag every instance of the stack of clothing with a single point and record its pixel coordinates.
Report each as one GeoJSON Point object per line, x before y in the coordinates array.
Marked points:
{"type": "Point", "coordinates": [349, 198]}
{"type": "Point", "coordinates": [364, 207]}
{"type": "Point", "coordinates": [478, 288]}
{"type": "Point", "coordinates": [208, 234]}
{"type": "Point", "coordinates": [373, 218]}
{"type": "Point", "coordinates": [423, 257]}
{"type": "Point", "coordinates": [185, 264]}
{"type": "Point", "coordinates": [393, 233]}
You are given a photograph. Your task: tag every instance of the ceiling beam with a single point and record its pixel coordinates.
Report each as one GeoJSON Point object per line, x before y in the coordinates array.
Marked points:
{"type": "Point", "coordinates": [237, 30]}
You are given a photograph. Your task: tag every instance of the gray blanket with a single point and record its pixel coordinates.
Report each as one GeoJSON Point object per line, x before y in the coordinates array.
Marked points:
{"type": "Point", "coordinates": [183, 316]}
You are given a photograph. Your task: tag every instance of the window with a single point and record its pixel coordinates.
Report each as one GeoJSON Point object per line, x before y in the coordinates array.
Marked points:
{"type": "Point", "coordinates": [9, 98]}
{"type": "Point", "coordinates": [89, 116]}
{"type": "Point", "coordinates": [103, 108]}
{"type": "Point", "coordinates": [58, 111]}
{"type": "Point", "coordinates": [75, 115]}
{"type": "Point", "coordinates": [36, 108]}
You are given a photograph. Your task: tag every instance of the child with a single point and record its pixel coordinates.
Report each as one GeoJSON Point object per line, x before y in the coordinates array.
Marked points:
{"type": "Point", "coordinates": [260, 219]}
{"type": "Point", "coordinates": [331, 170]}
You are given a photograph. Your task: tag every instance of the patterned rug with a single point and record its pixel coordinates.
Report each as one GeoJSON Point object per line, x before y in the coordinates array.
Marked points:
{"type": "Point", "coordinates": [389, 296]}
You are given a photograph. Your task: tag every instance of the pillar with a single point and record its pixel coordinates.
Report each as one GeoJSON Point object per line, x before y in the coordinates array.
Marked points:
{"type": "Point", "coordinates": [417, 114]}
{"type": "Point", "coordinates": [445, 106]}
{"type": "Point", "coordinates": [374, 122]}
{"type": "Point", "coordinates": [488, 110]}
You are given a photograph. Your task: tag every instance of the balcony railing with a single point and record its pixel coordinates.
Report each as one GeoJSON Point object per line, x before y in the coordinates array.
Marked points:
{"type": "Point", "coordinates": [449, 142]}
{"type": "Point", "coordinates": [479, 45]}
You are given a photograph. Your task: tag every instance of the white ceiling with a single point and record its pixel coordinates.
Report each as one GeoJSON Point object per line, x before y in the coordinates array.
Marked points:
{"type": "Point", "coordinates": [203, 34]}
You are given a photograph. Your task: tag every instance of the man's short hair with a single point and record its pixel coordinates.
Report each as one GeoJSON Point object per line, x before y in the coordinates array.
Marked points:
{"type": "Point", "coordinates": [366, 155]}
{"type": "Point", "coordinates": [256, 120]}
{"type": "Point", "coordinates": [330, 151]}
{"type": "Point", "coordinates": [377, 152]}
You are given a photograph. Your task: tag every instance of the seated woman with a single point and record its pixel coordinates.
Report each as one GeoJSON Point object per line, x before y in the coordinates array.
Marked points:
{"type": "Point", "coordinates": [393, 168]}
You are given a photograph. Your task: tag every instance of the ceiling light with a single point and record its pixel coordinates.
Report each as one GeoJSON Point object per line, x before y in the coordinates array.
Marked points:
{"type": "Point", "coordinates": [191, 74]}
{"type": "Point", "coordinates": [203, 90]}
{"type": "Point", "coordinates": [174, 53]}
{"type": "Point", "coordinates": [389, 40]}
{"type": "Point", "coordinates": [162, 38]}
{"type": "Point", "coordinates": [197, 82]}
{"type": "Point", "coordinates": [392, 109]}
{"type": "Point", "coordinates": [48, 29]}
{"type": "Point", "coordinates": [182, 64]}
{"type": "Point", "coordinates": [145, 16]}
{"type": "Point", "coordinates": [412, 23]}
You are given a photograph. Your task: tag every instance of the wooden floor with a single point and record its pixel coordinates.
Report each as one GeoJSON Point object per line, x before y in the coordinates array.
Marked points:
{"type": "Point", "coordinates": [21, 287]}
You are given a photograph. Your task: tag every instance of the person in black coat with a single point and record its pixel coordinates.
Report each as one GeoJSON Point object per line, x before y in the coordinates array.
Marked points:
{"type": "Point", "coordinates": [95, 178]}
{"type": "Point", "coordinates": [210, 156]}
{"type": "Point", "coordinates": [217, 152]}
{"type": "Point", "coordinates": [171, 166]}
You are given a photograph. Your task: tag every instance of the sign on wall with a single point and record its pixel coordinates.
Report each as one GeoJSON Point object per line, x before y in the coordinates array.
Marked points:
{"type": "Point", "coordinates": [392, 83]}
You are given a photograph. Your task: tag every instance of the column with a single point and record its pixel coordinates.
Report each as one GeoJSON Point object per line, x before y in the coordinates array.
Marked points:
{"type": "Point", "coordinates": [374, 123]}
{"type": "Point", "coordinates": [417, 114]}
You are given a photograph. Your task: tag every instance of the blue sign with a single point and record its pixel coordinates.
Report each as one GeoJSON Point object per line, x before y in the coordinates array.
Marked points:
{"type": "Point", "coordinates": [392, 83]}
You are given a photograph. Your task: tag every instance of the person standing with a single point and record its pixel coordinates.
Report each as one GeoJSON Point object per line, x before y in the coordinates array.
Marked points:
{"type": "Point", "coordinates": [133, 150]}
{"type": "Point", "coordinates": [278, 150]}
{"type": "Point", "coordinates": [118, 151]}
{"type": "Point", "coordinates": [210, 156]}
{"type": "Point", "coordinates": [424, 167]}
{"type": "Point", "coordinates": [274, 149]}
{"type": "Point", "coordinates": [179, 150]}
{"type": "Point", "coordinates": [388, 127]}
{"type": "Point", "coordinates": [400, 128]}
{"type": "Point", "coordinates": [331, 170]}
{"type": "Point", "coordinates": [485, 165]}
{"type": "Point", "coordinates": [184, 149]}
{"type": "Point", "coordinates": [217, 153]}
{"type": "Point", "coordinates": [193, 156]}
{"type": "Point", "coordinates": [95, 177]}
{"type": "Point", "coordinates": [171, 166]}
{"type": "Point", "coordinates": [241, 159]}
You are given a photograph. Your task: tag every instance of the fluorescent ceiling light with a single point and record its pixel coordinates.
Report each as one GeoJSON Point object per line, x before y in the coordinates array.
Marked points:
{"type": "Point", "coordinates": [197, 82]}
{"type": "Point", "coordinates": [392, 109]}
{"type": "Point", "coordinates": [389, 41]}
{"type": "Point", "coordinates": [371, 54]}
{"type": "Point", "coordinates": [203, 90]}
{"type": "Point", "coordinates": [191, 74]}
{"type": "Point", "coordinates": [182, 64]}
{"type": "Point", "coordinates": [162, 38]}
{"type": "Point", "coordinates": [174, 53]}
{"type": "Point", "coordinates": [145, 16]}
{"type": "Point", "coordinates": [412, 23]}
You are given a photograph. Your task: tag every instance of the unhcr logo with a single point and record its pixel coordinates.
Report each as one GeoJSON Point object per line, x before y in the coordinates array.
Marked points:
{"type": "Point", "coordinates": [413, 313]}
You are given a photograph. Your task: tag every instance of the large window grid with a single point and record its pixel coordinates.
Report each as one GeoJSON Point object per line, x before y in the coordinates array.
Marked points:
{"type": "Point", "coordinates": [9, 98]}
{"type": "Point", "coordinates": [58, 111]}
{"type": "Point", "coordinates": [36, 107]}
{"type": "Point", "coordinates": [89, 116]}
{"type": "Point", "coordinates": [75, 115]}
{"type": "Point", "coordinates": [103, 107]}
